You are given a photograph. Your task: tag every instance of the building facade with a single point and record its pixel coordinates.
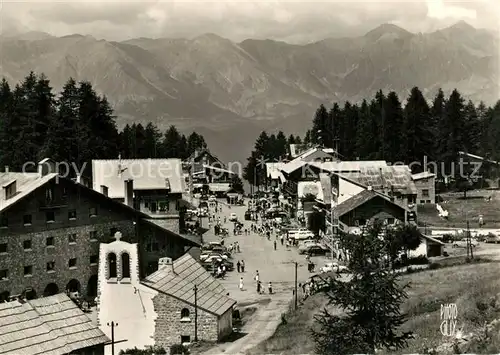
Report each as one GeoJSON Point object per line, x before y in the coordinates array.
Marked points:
{"type": "Point", "coordinates": [425, 183]}
{"type": "Point", "coordinates": [190, 304]}
{"type": "Point", "coordinates": [50, 234]}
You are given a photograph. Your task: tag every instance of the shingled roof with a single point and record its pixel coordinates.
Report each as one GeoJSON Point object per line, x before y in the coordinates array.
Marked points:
{"type": "Point", "coordinates": [179, 280]}
{"type": "Point", "coordinates": [51, 325]}
{"type": "Point", "coordinates": [359, 199]}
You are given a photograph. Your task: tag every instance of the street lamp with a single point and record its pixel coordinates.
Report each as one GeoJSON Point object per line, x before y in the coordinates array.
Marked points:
{"type": "Point", "coordinates": [112, 325]}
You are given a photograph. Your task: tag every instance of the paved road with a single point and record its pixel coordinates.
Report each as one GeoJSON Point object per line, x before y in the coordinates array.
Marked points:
{"type": "Point", "coordinates": [274, 266]}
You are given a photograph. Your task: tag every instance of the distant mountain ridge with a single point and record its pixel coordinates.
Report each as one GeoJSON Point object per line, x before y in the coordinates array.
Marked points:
{"type": "Point", "coordinates": [230, 91]}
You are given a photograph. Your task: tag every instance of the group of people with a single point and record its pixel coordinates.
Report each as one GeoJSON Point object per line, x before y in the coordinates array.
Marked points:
{"type": "Point", "coordinates": [258, 284]}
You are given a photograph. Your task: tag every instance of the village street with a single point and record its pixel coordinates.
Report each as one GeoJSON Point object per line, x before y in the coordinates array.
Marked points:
{"type": "Point", "coordinates": [273, 266]}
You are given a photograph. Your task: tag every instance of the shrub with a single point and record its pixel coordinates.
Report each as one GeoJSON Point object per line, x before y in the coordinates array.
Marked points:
{"type": "Point", "coordinates": [178, 349]}
{"type": "Point", "coordinates": [418, 260]}
{"type": "Point", "coordinates": [434, 266]}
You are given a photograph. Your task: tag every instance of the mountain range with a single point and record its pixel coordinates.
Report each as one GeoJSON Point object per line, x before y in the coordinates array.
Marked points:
{"type": "Point", "coordinates": [229, 91]}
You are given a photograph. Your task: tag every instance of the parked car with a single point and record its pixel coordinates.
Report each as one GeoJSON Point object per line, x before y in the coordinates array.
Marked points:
{"type": "Point", "coordinates": [209, 262]}
{"type": "Point", "coordinates": [463, 243]}
{"type": "Point", "coordinates": [233, 217]}
{"type": "Point", "coordinates": [314, 249]}
{"type": "Point", "coordinates": [303, 243]}
{"type": "Point", "coordinates": [212, 198]}
{"type": "Point", "coordinates": [329, 267]}
{"type": "Point", "coordinates": [495, 239]}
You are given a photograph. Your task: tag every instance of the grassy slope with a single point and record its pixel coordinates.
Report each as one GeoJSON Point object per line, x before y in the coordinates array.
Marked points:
{"type": "Point", "coordinates": [473, 287]}
{"type": "Point", "coordinates": [460, 210]}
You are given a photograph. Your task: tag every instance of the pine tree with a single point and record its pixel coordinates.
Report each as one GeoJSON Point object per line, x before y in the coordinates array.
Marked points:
{"type": "Point", "coordinates": [371, 301]}
{"type": "Point", "coordinates": [320, 133]}
{"type": "Point", "coordinates": [8, 125]}
{"type": "Point", "coordinates": [367, 138]}
{"type": "Point", "coordinates": [437, 112]}
{"type": "Point", "coordinates": [195, 141]}
{"type": "Point", "coordinates": [63, 137]}
{"type": "Point", "coordinates": [378, 124]}
{"type": "Point", "coordinates": [418, 134]}
{"type": "Point", "coordinates": [152, 143]}
{"type": "Point", "coordinates": [348, 138]}
{"type": "Point", "coordinates": [171, 143]}
{"type": "Point", "coordinates": [281, 146]}
{"type": "Point", "coordinates": [393, 143]}
{"type": "Point", "coordinates": [336, 129]}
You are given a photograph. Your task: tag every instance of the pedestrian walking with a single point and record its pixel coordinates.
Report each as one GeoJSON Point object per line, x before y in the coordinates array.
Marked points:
{"type": "Point", "coordinates": [270, 288]}
{"type": "Point", "coordinates": [282, 239]}
{"type": "Point", "coordinates": [256, 278]}
{"type": "Point", "coordinates": [242, 265]}
{"type": "Point", "coordinates": [238, 247]}
{"type": "Point", "coordinates": [238, 266]}
{"type": "Point", "coordinates": [259, 287]}
{"type": "Point", "coordinates": [241, 283]}
{"type": "Point", "coordinates": [275, 244]}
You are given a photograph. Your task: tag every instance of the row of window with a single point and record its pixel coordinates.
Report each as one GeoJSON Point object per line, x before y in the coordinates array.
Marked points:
{"type": "Point", "coordinates": [49, 242]}
{"type": "Point", "coordinates": [50, 217]}
{"type": "Point", "coordinates": [50, 267]}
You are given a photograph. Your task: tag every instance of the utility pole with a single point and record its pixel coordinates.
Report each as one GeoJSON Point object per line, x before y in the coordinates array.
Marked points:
{"type": "Point", "coordinates": [112, 325]}
{"type": "Point", "coordinates": [296, 295]}
{"type": "Point", "coordinates": [195, 313]}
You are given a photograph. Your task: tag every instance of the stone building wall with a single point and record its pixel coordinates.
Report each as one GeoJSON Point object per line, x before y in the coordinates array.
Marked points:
{"type": "Point", "coordinates": [169, 327]}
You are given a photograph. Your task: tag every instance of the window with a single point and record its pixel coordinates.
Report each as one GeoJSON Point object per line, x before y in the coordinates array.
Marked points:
{"type": "Point", "coordinates": [94, 259]}
{"type": "Point", "coordinates": [50, 216]}
{"type": "Point", "coordinates": [49, 242]}
{"type": "Point", "coordinates": [428, 201]}
{"type": "Point", "coordinates": [27, 220]}
{"type": "Point", "coordinates": [72, 263]}
{"type": "Point", "coordinates": [422, 202]}
{"type": "Point", "coordinates": [4, 222]}
{"type": "Point", "coordinates": [72, 238]}
{"type": "Point", "coordinates": [390, 220]}
{"type": "Point", "coordinates": [51, 266]}
{"type": "Point", "coordinates": [3, 248]}
{"type": "Point", "coordinates": [49, 194]}
{"type": "Point", "coordinates": [93, 236]}
{"type": "Point", "coordinates": [425, 193]}
{"type": "Point", "coordinates": [28, 270]}
{"type": "Point", "coordinates": [92, 212]}
{"type": "Point", "coordinates": [27, 244]}
{"type": "Point", "coordinates": [185, 339]}
{"type": "Point", "coordinates": [4, 274]}
{"type": "Point", "coordinates": [72, 215]}
{"type": "Point", "coordinates": [185, 314]}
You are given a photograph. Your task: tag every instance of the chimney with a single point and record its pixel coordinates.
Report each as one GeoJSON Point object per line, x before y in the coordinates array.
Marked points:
{"type": "Point", "coordinates": [370, 188]}
{"type": "Point", "coordinates": [129, 192]}
{"type": "Point", "coordinates": [104, 190]}
{"type": "Point", "coordinates": [46, 166]}
{"type": "Point", "coordinates": [10, 189]}
{"type": "Point", "coordinates": [164, 263]}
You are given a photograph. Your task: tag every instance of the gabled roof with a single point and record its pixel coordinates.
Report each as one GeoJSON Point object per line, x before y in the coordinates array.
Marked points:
{"type": "Point", "coordinates": [179, 282]}
{"type": "Point", "coordinates": [148, 174]}
{"type": "Point", "coordinates": [200, 152]}
{"type": "Point", "coordinates": [422, 175]}
{"type": "Point", "coordinates": [273, 171]}
{"type": "Point", "coordinates": [360, 199]}
{"type": "Point", "coordinates": [384, 177]}
{"type": "Point", "coordinates": [26, 183]}
{"type": "Point", "coordinates": [333, 166]}
{"type": "Point", "coordinates": [434, 240]}
{"type": "Point", "coordinates": [51, 325]}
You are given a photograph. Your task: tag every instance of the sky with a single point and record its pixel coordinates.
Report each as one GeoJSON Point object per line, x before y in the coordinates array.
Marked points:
{"type": "Point", "coordinates": [290, 21]}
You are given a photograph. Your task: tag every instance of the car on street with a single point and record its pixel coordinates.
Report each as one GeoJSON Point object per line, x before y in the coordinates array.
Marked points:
{"type": "Point", "coordinates": [303, 243]}
{"type": "Point", "coordinates": [213, 255]}
{"type": "Point", "coordinates": [300, 234]}
{"type": "Point", "coordinates": [314, 249]}
{"type": "Point", "coordinates": [463, 243]}
{"type": "Point", "coordinates": [492, 239]}
{"type": "Point", "coordinates": [333, 267]}
{"type": "Point", "coordinates": [212, 198]}
{"type": "Point", "coordinates": [209, 262]}
{"type": "Point", "coordinates": [233, 217]}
